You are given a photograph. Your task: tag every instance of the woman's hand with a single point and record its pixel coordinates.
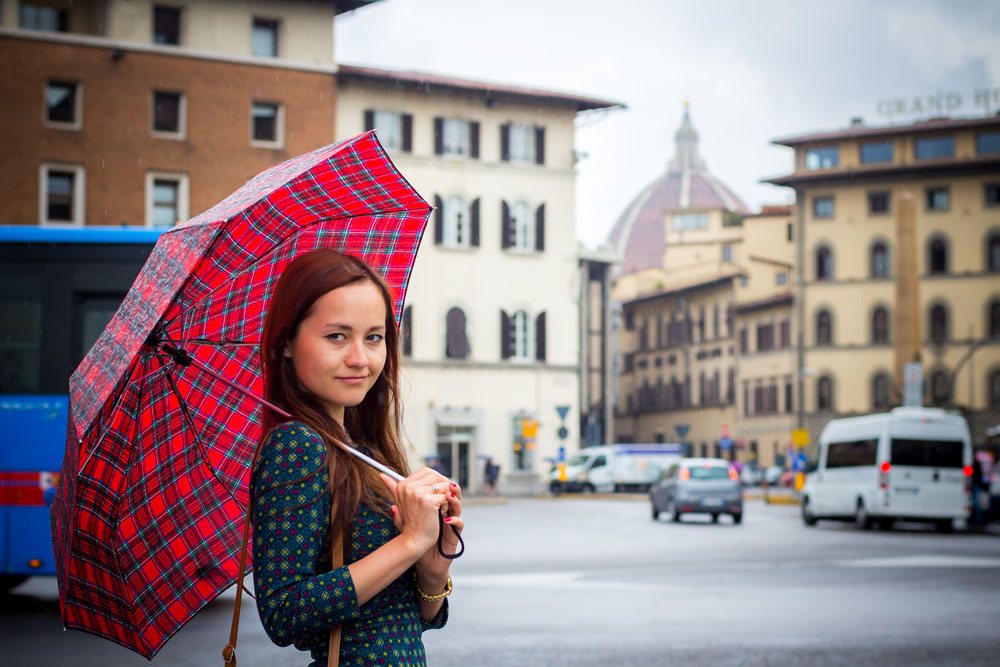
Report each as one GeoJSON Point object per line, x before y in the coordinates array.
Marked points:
{"type": "Point", "coordinates": [419, 500]}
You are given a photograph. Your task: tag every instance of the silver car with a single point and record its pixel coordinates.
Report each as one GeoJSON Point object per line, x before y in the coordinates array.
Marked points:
{"type": "Point", "coordinates": [698, 486]}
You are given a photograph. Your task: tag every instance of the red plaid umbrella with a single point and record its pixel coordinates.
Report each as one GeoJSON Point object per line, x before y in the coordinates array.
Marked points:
{"type": "Point", "coordinates": [148, 514]}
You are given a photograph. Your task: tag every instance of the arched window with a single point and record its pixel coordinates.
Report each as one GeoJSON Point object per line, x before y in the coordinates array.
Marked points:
{"type": "Point", "coordinates": [993, 252]}
{"type": "Point", "coordinates": [824, 328]}
{"type": "Point", "coordinates": [881, 384]}
{"type": "Point", "coordinates": [879, 264]}
{"type": "Point", "coordinates": [824, 393]}
{"type": "Point", "coordinates": [880, 325]}
{"type": "Point", "coordinates": [993, 326]}
{"type": "Point", "coordinates": [938, 324]}
{"type": "Point", "coordinates": [521, 335]}
{"type": "Point", "coordinates": [456, 341]}
{"type": "Point", "coordinates": [993, 390]}
{"type": "Point", "coordinates": [521, 225]}
{"type": "Point", "coordinates": [937, 255]}
{"type": "Point", "coordinates": [824, 263]}
{"type": "Point", "coordinates": [940, 386]}
{"type": "Point", "coordinates": [456, 222]}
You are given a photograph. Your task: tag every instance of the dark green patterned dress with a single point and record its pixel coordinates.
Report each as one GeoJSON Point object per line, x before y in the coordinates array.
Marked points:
{"type": "Point", "coordinates": [299, 598]}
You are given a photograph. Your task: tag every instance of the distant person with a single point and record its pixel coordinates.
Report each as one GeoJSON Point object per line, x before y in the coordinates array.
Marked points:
{"type": "Point", "coordinates": [980, 489]}
{"type": "Point", "coordinates": [491, 473]}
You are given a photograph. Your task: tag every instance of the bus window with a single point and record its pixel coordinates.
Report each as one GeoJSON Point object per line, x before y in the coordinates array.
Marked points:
{"type": "Point", "coordinates": [93, 312]}
{"type": "Point", "coordinates": [20, 334]}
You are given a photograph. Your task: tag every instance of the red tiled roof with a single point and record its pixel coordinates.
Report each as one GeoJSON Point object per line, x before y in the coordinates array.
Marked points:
{"type": "Point", "coordinates": [862, 131]}
{"type": "Point", "coordinates": [427, 81]}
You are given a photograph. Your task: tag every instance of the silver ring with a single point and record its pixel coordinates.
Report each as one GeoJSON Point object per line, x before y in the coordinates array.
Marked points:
{"type": "Point", "coordinates": [434, 488]}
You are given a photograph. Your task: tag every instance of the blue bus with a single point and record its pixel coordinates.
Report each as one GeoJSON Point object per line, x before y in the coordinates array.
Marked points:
{"type": "Point", "coordinates": [58, 290]}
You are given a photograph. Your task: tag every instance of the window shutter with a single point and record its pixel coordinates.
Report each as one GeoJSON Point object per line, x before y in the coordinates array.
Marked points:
{"type": "Point", "coordinates": [506, 233]}
{"type": "Point", "coordinates": [540, 337]}
{"type": "Point", "coordinates": [540, 228]}
{"type": "Point", "coordinates": [438, 220]}
{"type": "Point", "coordinates": [505, 142]}
{"type": "Point", "coordinates": [505, 342]}
{"type": "Point", "coordinates": [439, 136]}
{"type": "Point", "coordinates": [407, 132]}
{"type": "Point", "coordinates": [474, 224]}
{"type": "Point", "coordinates": [474, 139]}
{"type": "Point", "coordinates": [369, 120]}
{"type": "Point", "coordinates": [539, 144]}
{"type": "Point", "coordinates": [407, 331]}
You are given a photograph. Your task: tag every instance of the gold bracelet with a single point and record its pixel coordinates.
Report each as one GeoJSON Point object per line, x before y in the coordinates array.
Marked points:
{"type": "Point", "coordinates": [432, 598]}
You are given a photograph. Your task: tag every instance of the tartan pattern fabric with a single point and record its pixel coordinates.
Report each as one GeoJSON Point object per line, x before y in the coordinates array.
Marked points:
{"type": "Point", "coordinates": [147, 516]}
{"type": "Point", "coordinates": [299, 599]}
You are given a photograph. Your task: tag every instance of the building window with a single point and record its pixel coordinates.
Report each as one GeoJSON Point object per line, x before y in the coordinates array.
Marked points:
{"type": "Point", "coordinates": [824, 393]}
{"type": "Point", "coordinates": [781, 278]}
{"type": "Point", "coordinates": [878, 203]}
{"type": "Point", "coordinates": [727, 252]}
{"type": "Point", "coordinates": [264, 38]}
{"type": "Point", "coordinates": [268, 124]}
{"type": "Point", "coordinates": [879, 262]}
{"type": "Point", "coordinates": [940, 386]}
{"type": "Point", "coordinates": [744, 340]}
{"type": "Point", "coordinates": [991, 194]}
{"type": "Point", "coordinates": [937, 199]}
{"type": "Point", "coordinates": [168, 114]}
{"type": "Point", "coordinates": [993, 252]}
{"type": "Point", "coordinates": [937, 256]}
{"type": "Point", "coordinates": [938, 324]}
{"type": "Point", "coordinates": [823, 207]}
{"type": "Point", "coordinates": [39, 17]}
{"type": "Point", "coordinates": [789, 232]}
{"type": "Point", "coordinates": [929, 148]}
{"type": "Point", "coordinates": [166, 200]}
{"type": "Point", "coordinates": [457, 343]}
{"type": "Point", "coordinates": [61, 195]}
{"type": "Point", "coordinates": [520, 335]}
{"type": "Point", "coordinates": [394, 129]}
{"type": "Point", "coordinates": [685, 221]}
{"type": "Point", "coordinates": [521, 141]}
{"type": "Point", "coordinates": [994, 389]}
{"type": "Point", "coordinates": [456, 223]}
{"type": "Point", "coordinates": [822, 157]}
{"type": "Point", "coordinates": [993, 325]}
{"type": "Point", "coordinates": [520, 224]}
{"type": "Point", "coordinates": [406, 331]}
{"type": "Point", "coordinates": [876, 151]}
{"type": "Point", "coordinates": [166, 25]}
{"type": "Point", "coordinates": [765, 337]}
{"type": "Point", "coordinates": [824, 328]}
{"type": "Point", "coordinates": [880, 326]}
{"type": "Point", "coordinates": [880, 391]}
{"type": "Point", "coordinates": [63, 104]}
{"type": "Point", "coordinates": [785, 330]}
{"type": "Point", "coordinates": [824, 263]}
{"type": "Point", "coordinates": [455, 137]}
{"type": "Point", "coordinates": [988, 142]}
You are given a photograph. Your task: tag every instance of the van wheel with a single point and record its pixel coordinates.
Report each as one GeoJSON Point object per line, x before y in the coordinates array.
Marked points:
{"type": "Point", "coordinates": [655, 512]}
{"type": "Point", "coordinates": [945, 525]}
{"type": "Point", "coordinates": [738, 518]}
{"type": "Point", "coordinates": [808, 517]}
{"type": "Point", "coordinates": [862, 520]}
{"type": "Point", "coordinates": [619, 488]}
{"type": "Point", "coordinates": [588, 488]}
{"type": "Point", "coordinates": [715, 518]}
{"type": "Point", "coordinates": [885, 524]}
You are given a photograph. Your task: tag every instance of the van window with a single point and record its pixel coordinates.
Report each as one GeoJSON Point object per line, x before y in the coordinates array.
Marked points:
{"type": "Point", "coordinates": [854, 453]}
{"type": "Point", "coordinates": [927, 453]}
{"type": "Point", "coordinates": [599, 461]}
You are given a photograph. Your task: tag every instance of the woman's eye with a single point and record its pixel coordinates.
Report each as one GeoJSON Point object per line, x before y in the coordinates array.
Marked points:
{"type": "Point", "coordinates": [336, 336]}
{"type": "Point", "coordinates": [376, 338]}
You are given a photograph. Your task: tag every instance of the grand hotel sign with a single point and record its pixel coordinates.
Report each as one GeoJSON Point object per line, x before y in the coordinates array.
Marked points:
{"type": "Point", "coordinates": [984, 101]}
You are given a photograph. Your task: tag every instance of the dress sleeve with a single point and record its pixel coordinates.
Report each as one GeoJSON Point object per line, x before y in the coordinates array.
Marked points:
{"type": "Point", "coordinates": [439, 621]}
{"type": "Point", "coordinates": [291, 513]}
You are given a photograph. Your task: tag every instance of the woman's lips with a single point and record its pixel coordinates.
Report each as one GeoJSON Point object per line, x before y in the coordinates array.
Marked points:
{"type": "Point", "coordinates": [352, 380]}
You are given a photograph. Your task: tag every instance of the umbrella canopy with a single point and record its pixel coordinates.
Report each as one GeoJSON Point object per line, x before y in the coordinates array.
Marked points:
{"type": "Point", "coordinates": [147, 517]}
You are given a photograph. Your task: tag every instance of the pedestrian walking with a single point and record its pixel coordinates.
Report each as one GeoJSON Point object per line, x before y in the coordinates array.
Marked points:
{"type": "Point", "coordinates": [348, 564]}
{"type": "Point", "coordinates": [491, 473]}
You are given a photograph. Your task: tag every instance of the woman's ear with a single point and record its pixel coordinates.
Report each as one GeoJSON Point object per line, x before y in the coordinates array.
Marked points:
{"type": "Point", "coordinates": [288, 351]}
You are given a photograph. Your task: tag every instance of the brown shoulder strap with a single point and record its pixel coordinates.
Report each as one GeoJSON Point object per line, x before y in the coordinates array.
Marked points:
{"type": "Point", "coordinates": [336, 560]}
{"type": "Point", "coordinates": [229, 652]}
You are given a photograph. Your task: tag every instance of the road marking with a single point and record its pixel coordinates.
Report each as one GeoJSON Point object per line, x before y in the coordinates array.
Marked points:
{"type": "Point", "coordinates": [927, 560]}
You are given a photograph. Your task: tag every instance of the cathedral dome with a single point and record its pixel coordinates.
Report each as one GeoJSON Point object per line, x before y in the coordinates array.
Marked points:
{"type": "Point", "coordinates": [639, 235]}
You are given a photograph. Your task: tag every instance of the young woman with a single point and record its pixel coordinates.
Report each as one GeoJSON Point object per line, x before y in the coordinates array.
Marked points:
{"type": "Point", "coordinates": [330, 357]}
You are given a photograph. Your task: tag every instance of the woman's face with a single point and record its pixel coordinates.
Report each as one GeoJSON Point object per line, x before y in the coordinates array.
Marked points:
{"type": "Point", "coordinates": [339, 349]}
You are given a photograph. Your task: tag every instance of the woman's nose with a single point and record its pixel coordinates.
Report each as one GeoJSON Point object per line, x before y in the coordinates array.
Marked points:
{"type": "Point", "coordinates": [357, 357]}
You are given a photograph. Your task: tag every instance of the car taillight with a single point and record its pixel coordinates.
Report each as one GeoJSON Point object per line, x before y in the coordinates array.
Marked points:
{"type": "Point", "coordinates": [733, 475]}
{"type": "Point", "coordinates": [883, 475]}
{"type": "Point", "coordinates": [685, 474]}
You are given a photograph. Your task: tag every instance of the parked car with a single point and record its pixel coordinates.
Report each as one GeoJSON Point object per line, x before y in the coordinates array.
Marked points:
{"type": "Point", "coordinates": [751, 475]}
{"type": "Point", "coordinates": [698, 486]}
{"type": "Point", "coordinates": [607, 468]}
{"type": "Point", "coordinates": [772, 475]}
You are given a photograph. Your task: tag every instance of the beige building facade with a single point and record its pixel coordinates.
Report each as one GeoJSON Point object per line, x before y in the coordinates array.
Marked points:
{"type": "Point", "coordinates": [492, 354]}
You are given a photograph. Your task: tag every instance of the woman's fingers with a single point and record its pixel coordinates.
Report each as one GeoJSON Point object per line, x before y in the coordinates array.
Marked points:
{"type": "Point", "coordinates": [454, 506]}
{"type": "Point", "coordinates": [457, 522]}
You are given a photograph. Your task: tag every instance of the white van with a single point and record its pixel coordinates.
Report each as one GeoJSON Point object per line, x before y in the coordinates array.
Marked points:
{"type": "Point", "coordinates": [912, 464]}
{"type": "Point", "coordinates": [615, 467]}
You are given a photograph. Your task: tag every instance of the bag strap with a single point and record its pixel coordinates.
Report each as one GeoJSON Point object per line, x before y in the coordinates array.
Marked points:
{"type": "Point", "coordinates": [336, 560]}
{"type": "Point", "coordinates": [229, 652]}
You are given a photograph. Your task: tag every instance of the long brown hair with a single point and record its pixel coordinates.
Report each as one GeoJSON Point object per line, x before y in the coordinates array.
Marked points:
{"type": "Point", "coordinates": [374, 421]}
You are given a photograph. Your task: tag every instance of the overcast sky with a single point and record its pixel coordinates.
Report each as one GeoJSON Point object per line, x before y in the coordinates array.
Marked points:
{"type": "Point", "coordinates": [752, 71]}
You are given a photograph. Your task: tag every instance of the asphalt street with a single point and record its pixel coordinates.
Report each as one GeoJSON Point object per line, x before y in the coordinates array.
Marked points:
{"type": "Point", "coordinates": [590, 581]}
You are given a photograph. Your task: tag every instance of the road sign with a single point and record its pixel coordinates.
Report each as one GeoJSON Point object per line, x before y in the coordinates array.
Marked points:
{"type": "Point", "coordinates": [913, 385]}
{"type": "Point", "coordinates": [800, 437]}
{"type": "Point", "coordinates": [562, 411]}
{"type": "Point", "coordinates": [725, 442]}
{"type": "Point", "coordinates": [682, 430]}
{"type": "Point", "coordinates": [529, 428]}
{"type": "Point", "coordinates": [563, 432]}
